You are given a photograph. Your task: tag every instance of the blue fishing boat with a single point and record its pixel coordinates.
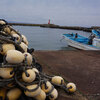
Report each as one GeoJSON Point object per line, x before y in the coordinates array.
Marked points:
{"type": "Point", "coordinates": [81, 42]}
{"type": "Point", "coordinates": [96, 32]}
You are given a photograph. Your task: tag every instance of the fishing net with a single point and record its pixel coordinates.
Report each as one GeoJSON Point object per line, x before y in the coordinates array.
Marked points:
{"type": "Point", "coordinates": [21, 76]}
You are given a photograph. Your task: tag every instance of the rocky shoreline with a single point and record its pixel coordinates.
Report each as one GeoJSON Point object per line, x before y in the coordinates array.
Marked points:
{"type": "Point", "coordinates": [86, 29]}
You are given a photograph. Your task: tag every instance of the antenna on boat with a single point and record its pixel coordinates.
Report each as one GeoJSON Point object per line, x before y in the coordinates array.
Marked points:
{"type": "Point", "coordinates": [62, 38]}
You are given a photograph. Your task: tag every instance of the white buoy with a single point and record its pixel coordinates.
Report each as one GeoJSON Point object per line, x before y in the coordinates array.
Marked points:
{"type": "Point", "coordinates": [31, 76]}
{"type": "Point", "coordinates": [7, 29]}
{"type": "Point", "coordinates": [28, 58]}
{"type": "Point", "coordinates": [35, 70]}
{"type": "Point", "coordinates": [7, 47]}
{"type": "Point", "coordinates": [6, 73]}
{"type": "Point", "coordinates": [24, 39]}
{"type": "Point", "coordinates": [34, 93]}
{"type": "Point", "coordinates": [41, 96]}
{"type": "Point", "coordinates": [57, 80]}
{"type": "Point", "coordinates": [14, 94]}
{"type": "Point", "coordinates": [14, 57]}
{"type": "Point", "coordinates": [2, 22]}
{"type": "Point", "coordinates": [46, 87]}
{"type": "Point", "coordinates": [71, 87]}
{"type": "Point", "coordinates": [13, 32]}
{"type": "Point", "coordinates": [3, 32]}
{"type": "Point", "coordinates": [53, 95]}
{"type": "Point", "coordinates": [24, 46]}
{"type": "Point", "coordinates": [17, 37]}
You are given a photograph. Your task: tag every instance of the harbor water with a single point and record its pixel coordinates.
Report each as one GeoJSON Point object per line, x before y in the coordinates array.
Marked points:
{"type": "Point", "coordinates": [47, 38]}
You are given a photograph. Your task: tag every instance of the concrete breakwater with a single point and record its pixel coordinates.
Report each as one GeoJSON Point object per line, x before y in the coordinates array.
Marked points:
{"type": "Point", "coordinates": [87, 29]}
{"type": "Point", "coordinates": [68, 27]}
{"type": "Point", "coordinates": [24, 24]}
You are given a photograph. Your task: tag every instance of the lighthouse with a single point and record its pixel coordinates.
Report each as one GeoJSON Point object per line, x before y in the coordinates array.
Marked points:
{"type": "Point", "coordinates": [49, 21]}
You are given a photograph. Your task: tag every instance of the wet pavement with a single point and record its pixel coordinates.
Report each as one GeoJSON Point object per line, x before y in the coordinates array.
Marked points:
{"type": "Point", "coordinates": [80, 67]}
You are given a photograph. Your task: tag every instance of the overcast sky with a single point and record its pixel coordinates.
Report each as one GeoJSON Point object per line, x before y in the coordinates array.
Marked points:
{"type": "Point", "coordinates": [61, 12]}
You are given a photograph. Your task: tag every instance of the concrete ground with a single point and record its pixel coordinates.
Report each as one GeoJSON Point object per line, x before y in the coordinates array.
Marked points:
{"type": "Point", "coordinates": [80, 67]}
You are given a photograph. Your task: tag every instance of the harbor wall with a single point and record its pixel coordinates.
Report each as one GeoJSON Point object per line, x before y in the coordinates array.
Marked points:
{"type": "Point", "coordinates": [87, 29]}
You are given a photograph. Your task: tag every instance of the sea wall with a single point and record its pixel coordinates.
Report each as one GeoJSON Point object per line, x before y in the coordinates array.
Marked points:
{"type": "Point", "coordinates": [87, 29]}
{"type": "Point", "coordinates": [67, 27]}
{"type": "Point", "coordinates": [24, 24]}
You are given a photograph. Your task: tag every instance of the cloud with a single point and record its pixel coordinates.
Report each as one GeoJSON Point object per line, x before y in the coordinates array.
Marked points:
{"type": "Point", "coordinates": [63, 12]}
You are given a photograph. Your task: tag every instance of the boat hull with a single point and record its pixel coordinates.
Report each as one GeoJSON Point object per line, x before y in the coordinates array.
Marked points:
{"type": "Point", "coordinates": [79, 45]}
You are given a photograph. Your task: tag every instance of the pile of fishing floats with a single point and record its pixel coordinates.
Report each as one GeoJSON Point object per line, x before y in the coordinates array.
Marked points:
{"type": "Point", "coordinates": [21, 74]}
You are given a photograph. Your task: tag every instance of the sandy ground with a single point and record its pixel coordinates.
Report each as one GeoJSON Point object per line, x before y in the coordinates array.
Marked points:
{"type": "Point", "coordinates": [80, 67]}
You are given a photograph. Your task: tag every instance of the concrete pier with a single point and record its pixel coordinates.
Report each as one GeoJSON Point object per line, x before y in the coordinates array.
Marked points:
{"type": "Point", "coordinates": [80, 67]}
{"type": "Point", "coordinates": [87, 29]}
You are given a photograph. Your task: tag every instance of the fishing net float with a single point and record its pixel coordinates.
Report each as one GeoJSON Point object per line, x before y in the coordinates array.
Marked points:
{"type": "Point", "coordinates": [21, 74]}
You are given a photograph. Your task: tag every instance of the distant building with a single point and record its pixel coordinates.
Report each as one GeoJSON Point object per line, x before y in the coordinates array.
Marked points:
{"type": "Point", "coordinates": [49, 21]}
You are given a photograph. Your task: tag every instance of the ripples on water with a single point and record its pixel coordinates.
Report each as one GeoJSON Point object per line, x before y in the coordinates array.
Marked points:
{"type": "Point", "coordinates": [47, 38]}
